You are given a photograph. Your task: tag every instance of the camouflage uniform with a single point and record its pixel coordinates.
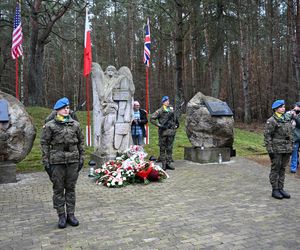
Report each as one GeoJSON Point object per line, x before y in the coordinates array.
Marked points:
{"type": "Point", "coordinates": [278, 138]}
{"type": "Point", "coordinates": [62, 144]}
{"type": "Point", "coordinates": [165, 120]}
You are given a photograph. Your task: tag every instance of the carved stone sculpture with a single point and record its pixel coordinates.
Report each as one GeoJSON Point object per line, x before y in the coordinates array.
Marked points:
{"type": "Point", "coordinates": [113, 92]}
{"type": "Point", "coordinates": [16, 137]}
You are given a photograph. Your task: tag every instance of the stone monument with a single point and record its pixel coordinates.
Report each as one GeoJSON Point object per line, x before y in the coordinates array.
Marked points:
{"type": "Point", "coordinates": [113, 92]}
{"type": "Point", "coordinates": [209, 127]}
{"type": "Point", "coordinates": [17, 134]}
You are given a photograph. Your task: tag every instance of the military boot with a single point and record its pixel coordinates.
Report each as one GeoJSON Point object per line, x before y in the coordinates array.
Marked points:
{"type": "Point", "coordinates": [164, 165]}
{"type": "Point", "coordinates": [284, 194]}
{"type": "Point", "coordinates": [62, 221]}
{"type": "Point", "coordinates": [71, 219]}
{"type": "Point", "coordinates": [276, 194]}
{"type": "Point", "coordinates": [169, 166]}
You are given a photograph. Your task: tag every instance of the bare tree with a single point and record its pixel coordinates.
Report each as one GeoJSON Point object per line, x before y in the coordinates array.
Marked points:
{"type": "Point", "coordinates": [43, 17]}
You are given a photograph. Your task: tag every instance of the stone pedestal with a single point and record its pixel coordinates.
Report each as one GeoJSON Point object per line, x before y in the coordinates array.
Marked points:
{"type": "Point", "coordinates": [206, 155]}
{"type": "Point", "coordinates": [7, 172]}
{"type": "Point", "coordinates": [99, 158]}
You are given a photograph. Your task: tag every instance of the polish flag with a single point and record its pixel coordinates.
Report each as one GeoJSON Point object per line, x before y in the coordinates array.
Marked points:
{"type": "Point", "coordinates": [87, 56]}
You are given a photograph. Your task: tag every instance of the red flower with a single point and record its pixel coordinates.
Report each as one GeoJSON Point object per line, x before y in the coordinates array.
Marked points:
{"type": "Point", "coordinates": [153, 175]}
{"type": "Point", "coordinates": [144, 173]}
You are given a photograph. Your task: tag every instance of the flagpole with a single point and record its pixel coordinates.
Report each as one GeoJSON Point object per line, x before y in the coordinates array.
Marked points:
{"type": "Point", "coordinates": [147, 103]}
{"type": "Point", "coordinates": [22, 81]}
{"type": "Point", "coordinates": [17, 79]}
{"type": "Point", "coordinates": [87, 64]}
{"type": "Point", "coordinates": [87, 80]}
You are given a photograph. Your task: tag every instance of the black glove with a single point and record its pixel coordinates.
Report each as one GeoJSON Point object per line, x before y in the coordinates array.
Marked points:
{"type": "Point", "coordinates": [48, 169]}
{"type": "Point", "coordinates": [272, 155]}
{"type": "Point", "coordinates": [80, 165]}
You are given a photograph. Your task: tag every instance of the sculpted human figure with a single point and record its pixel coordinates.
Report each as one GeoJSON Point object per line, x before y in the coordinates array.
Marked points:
{"type": "Point", "coordinates": [112, 109]}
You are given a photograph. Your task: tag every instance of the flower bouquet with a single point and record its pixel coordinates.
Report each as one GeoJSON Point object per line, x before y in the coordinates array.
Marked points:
{"type": "Point", "coordinates": [128, 168]}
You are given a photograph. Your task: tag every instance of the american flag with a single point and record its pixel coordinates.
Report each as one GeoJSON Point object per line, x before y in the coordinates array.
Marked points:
{"type": "Point", "coordinates": [17, 36]}
{"type": "Point", "coordinates": [147, 44]}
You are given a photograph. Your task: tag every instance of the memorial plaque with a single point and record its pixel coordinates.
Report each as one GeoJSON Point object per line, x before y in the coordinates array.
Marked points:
{"type": "Point", "coordinates": [121, 96]}
{"type": "Point", "coordinates": [122, 128]}
{"type": "Point", "coordinates": [4, 117]}
{"type": "Point", "coordinates": [218, 109]}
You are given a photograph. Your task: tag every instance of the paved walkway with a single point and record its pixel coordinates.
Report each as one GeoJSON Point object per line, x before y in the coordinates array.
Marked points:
{"type": "Point", "coordinates": [212, 206]}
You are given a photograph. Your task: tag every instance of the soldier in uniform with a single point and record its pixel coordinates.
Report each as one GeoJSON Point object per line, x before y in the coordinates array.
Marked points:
{"type": "Point", "coordinates": [62, 144]}
{"type": "Point", "coordinates": [278, 138]}
{"type": "Point", "coordinates": [164, 118]}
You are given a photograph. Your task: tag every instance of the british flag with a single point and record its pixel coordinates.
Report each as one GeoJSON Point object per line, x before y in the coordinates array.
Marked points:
{"type": "Point", "coordinates": [147, 44]}
{"type": "Point", "coordinates": [17, 36]}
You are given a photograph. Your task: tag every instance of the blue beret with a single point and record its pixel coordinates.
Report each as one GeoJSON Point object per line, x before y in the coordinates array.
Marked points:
{"type": "Point", "coordinates": [61, 103]}
{"type": "Point", "coordinates": [277, 104]}
{"type": "Point", "coordinates": [165, 98]}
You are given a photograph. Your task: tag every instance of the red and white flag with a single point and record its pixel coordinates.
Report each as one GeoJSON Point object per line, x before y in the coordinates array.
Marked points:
{"type": "Point", "coordinates": [87, 56]}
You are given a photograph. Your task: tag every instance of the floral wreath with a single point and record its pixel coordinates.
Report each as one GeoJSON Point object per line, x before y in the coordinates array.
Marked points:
{"type": "Point", "coordinates": [130, 167]}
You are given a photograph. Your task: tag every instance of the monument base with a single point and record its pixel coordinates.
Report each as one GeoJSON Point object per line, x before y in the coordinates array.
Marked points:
{"type": "Point", "coordinates": [207, 155]}
{"type": "Point", "coordinates": [99, 158]}
{"type": "Point", "coordinates": [7, 172]}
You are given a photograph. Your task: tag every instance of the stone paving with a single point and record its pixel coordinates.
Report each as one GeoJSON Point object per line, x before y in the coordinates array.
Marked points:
{"type": "Point", "coordinates": [211, 206]}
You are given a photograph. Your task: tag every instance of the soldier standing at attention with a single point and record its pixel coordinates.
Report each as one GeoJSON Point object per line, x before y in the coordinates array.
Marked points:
{"type": "Point", "coordinates": [164, 118]}
{"type": "Point", "coordinates": [62, 144]}
{"type": "Point", "coordinates": [278, 138]}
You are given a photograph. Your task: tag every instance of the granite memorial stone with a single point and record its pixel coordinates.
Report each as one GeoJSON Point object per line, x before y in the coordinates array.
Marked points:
{"type": "Point", "coordinates": [209, 127]}
{"type": "Point", "coordinates": [17, 134]}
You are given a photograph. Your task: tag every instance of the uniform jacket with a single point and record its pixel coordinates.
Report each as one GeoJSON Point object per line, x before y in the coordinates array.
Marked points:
{"type": "Point", "coordinates": [62, 142]}
{"type": "Point", "coordinates": [143, 121]}
{"type": "Point", "coordinates": [278, 135]}
{"type": "Point", "coordinates": [165, 120]}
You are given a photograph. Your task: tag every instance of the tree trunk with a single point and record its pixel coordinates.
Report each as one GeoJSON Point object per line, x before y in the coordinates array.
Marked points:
{"type": "Point", "coordinates": [244, 64]}
{"type": "Point", "coordinates": [179, 97]}
{"type": "Point", "coordinates": [297, 50]}
{"type": "Point", "coordinates": [38, 40]}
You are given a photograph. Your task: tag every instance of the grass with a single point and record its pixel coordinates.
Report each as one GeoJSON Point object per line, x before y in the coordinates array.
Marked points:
{"type": "Point", "coordinates": [246, 143]}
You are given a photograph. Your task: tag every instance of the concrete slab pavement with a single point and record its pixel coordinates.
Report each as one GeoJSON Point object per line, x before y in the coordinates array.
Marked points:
{"type": "Point", "coordinates": [201, 206]}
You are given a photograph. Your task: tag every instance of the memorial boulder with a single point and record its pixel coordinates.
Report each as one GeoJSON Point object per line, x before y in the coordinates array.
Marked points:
{"type": "Point", "coordinates": [17, 134]}
{"type": "Point", "coordinates": [209, 127]}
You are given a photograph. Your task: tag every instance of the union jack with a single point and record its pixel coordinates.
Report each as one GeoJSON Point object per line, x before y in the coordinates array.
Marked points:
{"type": "Point", "coordinates": [17, 35]}
{"type": "Point", "coordinates": [147, 44]}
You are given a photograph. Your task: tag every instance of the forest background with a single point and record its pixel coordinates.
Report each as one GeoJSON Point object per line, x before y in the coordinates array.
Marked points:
{"type": "Point", "coordinates": [246, 53]}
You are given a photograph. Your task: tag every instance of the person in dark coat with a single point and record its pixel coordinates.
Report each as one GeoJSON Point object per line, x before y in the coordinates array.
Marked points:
{"type": "Point", "coordinates": [295, 154]}
{"type": "Point", "coordinates": [138, 130]}
{"type": "Point", "coordinates": [278, 138]}
{"type": "Point", "coordinates": [62, 145]}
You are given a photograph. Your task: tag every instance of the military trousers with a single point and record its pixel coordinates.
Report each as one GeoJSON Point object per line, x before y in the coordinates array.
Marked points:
{"type": "Point", "coordinates": [64, 178]}
{"type": "Point", "coordinates": [166, 148]}
{"type": "Point", "coordinates": [277, 174]}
